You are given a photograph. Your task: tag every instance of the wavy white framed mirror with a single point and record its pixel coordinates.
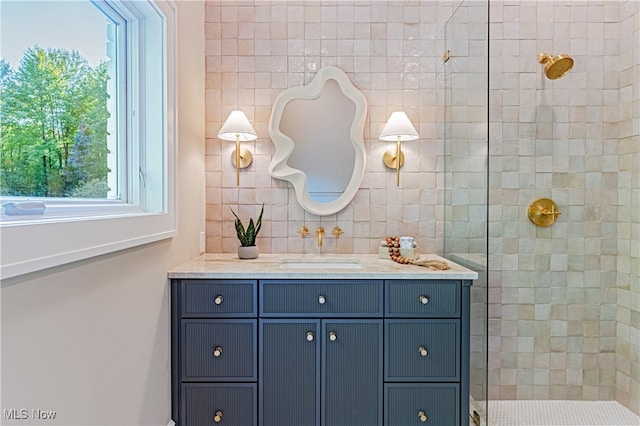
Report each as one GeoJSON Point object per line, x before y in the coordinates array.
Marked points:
{"type": "Point", "coordinates": [318, 134]}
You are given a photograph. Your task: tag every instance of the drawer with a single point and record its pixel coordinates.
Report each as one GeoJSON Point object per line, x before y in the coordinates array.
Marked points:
{"type": "Point", "coordinates": [422, 350]}
{"type": "Point", "coordinates": [219, 298]}
{"type": "Point", "coordinates": [219, 350]}
{"type": "Point", "coordinates": [410, 404]}
{"type": "Point", "coordinates": [321, 298]}
{"type": "Point", "coordinates": [422, 298]}
{"type": "Point", "coordinates": [230, 403]}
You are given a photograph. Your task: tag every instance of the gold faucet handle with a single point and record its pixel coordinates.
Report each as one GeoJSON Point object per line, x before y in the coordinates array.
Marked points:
{"type": "Point", "coordinates": [552, 212]}
{"type": "Point", "coordinates": [337, 231]}
{"type": "Point", "coordinates": [303, 231]}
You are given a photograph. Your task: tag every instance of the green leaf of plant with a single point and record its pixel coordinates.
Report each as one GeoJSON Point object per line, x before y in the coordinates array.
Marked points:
{"type": "Point", "coordinates": [248, 236]}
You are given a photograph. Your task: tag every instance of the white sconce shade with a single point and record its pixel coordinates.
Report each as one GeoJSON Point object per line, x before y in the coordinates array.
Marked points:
{"type": "Point", "coordinates": [398, 126]}
{"type": "Point", "coordinates": [238, 128]}
{"type": "Point", "coordinates": [398, 129]}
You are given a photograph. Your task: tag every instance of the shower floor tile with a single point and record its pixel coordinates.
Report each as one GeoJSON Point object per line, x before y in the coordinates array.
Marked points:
{"type": "Point", "coordinates": [560, 413]}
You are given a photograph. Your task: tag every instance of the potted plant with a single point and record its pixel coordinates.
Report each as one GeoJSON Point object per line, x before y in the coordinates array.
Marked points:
{"type": "Point", "coordinates": [247, 236]}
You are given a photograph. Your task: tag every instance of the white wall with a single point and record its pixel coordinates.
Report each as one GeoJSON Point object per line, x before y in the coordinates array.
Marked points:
{"type": "Point", "coordinates": [91, 340]}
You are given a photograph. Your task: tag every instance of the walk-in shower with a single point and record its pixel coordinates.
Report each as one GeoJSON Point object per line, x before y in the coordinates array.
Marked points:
{"type": "Point", "coordinates": [556, 310]}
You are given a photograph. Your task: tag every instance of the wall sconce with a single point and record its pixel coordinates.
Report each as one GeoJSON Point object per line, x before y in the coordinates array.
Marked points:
{"type": "Point", "coordinates": [237, 128]}
{"type": "Point", "coordinates": [398, 128]}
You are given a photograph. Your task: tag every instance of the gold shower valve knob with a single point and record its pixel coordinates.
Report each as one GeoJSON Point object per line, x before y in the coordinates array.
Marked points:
{"type": "Point", "coordinates": [543, 212]}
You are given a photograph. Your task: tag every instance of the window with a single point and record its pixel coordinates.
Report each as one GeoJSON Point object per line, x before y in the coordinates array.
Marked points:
{"type": "Point", "coordinates": [103, 167]}
{"type": "Point", "coordinates": [58, 101]}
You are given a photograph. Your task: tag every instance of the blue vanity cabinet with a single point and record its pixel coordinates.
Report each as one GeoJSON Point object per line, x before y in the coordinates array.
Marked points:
{"type": "Point", "coordinates": [320, 353]}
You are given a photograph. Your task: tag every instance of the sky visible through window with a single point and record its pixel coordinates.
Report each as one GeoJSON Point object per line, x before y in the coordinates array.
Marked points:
{"type": "Point", "coordinates": [58, 24]}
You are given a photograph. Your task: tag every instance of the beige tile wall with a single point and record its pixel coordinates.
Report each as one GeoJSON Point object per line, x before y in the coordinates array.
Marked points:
{"type": "Point", "coordinates": [562, 321]}
{"type": "Point", "coordinates": [390, 51]}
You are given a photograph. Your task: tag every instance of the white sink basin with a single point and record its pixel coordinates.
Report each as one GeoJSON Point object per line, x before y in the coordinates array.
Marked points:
{"type": "Point", "coordinates": [321, 263]}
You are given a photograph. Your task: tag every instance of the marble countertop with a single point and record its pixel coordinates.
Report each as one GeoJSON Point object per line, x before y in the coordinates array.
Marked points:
{"type": "Point", "coordinates": [268, 266]}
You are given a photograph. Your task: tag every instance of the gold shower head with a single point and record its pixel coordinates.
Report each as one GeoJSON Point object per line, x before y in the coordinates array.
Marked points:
{"type": "Point", "coordinates": [556, 66]}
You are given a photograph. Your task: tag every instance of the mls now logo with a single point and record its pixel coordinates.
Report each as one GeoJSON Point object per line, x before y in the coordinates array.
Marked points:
{"type": "Point", "coordinates": [23, 413]}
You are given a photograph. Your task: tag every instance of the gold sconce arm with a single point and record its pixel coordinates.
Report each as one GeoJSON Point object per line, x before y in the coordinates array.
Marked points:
{"type": "Point", "coordinates": [543, 212]}
{"type": "Point", "coordinates": [394, 159]}
{"type": "Point", "coordinates": [241, 159]}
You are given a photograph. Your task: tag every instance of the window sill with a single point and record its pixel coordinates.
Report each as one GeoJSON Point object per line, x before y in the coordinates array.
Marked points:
{"type": "Point", "coordinates": [67, 210]}
{"type": "Point", "coordinates": [47, 244]}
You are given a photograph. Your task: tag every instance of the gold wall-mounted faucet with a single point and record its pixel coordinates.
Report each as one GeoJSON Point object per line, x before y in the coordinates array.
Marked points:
{"type": "Point", "coordinates": [337, 231]}
{"type": "Point", "coordinates": [319, 233]}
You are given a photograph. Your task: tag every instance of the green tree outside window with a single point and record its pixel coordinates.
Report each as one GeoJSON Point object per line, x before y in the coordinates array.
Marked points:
{"type": "Point", "coordinates": [53, 126]}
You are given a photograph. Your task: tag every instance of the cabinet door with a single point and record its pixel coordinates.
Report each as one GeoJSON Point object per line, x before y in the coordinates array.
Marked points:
{"type": "Point", "coordinates": [289, 372]}
{"type": "Point", "coordinates": [352, 373]}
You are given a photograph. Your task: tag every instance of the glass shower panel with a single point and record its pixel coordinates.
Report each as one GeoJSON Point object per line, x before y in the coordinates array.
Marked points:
{"type": "Point", "coordinates": [463, 79]}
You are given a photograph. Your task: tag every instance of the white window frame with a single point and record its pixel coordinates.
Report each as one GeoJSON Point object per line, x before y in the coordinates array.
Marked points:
{"type": "Point", "coordinates": [73, 230]}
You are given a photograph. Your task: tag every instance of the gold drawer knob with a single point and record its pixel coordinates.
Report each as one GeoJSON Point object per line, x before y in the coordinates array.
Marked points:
{"type": "Point", "coordinates": [309, 336]}
{"type": "Point", "coordinates": [218, 417]}
{"type": "Point", "coordinates": [423, 299]}
{"type": "Point", "coordinates": [333, 336]}
{"type": "Point", "coordinates": [322, 299]}
{"type": "Point", "coordinates": [423, 351]}
{"type": "Point", "coordinates": [218, 300]}
{"type": "Point", "coordinates": [217, 352]}
{"type": "Point", "coordinates": [422, 416]}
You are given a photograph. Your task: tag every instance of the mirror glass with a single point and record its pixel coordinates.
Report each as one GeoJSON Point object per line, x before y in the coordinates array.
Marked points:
{"type": "Point", "coordinates": [318, 134]}
{"type": "Point", "coordinates": [323, 152]}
